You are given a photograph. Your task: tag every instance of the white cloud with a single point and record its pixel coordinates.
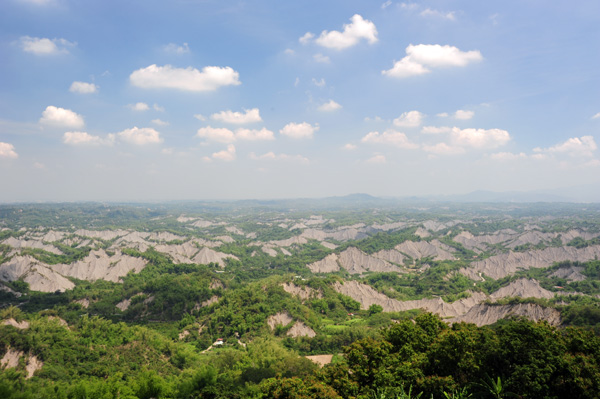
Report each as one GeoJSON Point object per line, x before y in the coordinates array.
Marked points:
{"type": "Point", "coordinates": [221, 135]}
{"type": "Point", "coordinates": [409, 119]}
{"type": "Point", "coordinates": [176, 49]}
{"type": "Point", "coordinates": [306, 38]}
{"type": "Point", "coordinates": [289, 51]}
{"type": "Point", "coordinates": [389, 137]}
{"type": "Point", "coordinates": [409, 6]}
{"type": "Point", "coordinates": [575, 146]}
{"type": "Point", "coordinates": [443, 149]}
{"type": "Point", "coordinates": [200, 117]}
{"type": "Point", "coordinates": [507, 156]}
{"type": "Point", "coordinates": [377, 159]}
{"type": "Point", "coordinates": [158, 108]}
{"type": "Point", "coordinates": [464, 114]}
{"type": "Point", "coordinates": [323, 59]}
{"type": "Point", "coordinates": [55, 116]}
{"type": "Point", "coordinates": [45, 46]}
{"type": "Point", "coordinates": [428, 12]}
{"type": "Point", "coordinates": [143, 136]}
{"type": "Point", "coordinates": [329, 106]}
{"type": "Point", "coordinates": [225, 155]}
{"type": "Point", "coordinates": [358, 29]}
{"type": "Point", "coordinates": [84, 138]}
{"type": "Point", "coordinates": [188, 79]}
{"type": "Point", "coordinates": [271, 156]}
{"type": "Point", "coordinates": [83, 88]}
{"type": "Point", "coordinates": [442, 115]}
{"type": "Point", "coordinates": [319, 83]}
{"type": "Point", "coordinates": [349, 147]}
{"type": "Point", "coordinates": [302, 130]}
{"type": "Point", "coordinates": [386, 4]}
{"type": "Point", "coordinates": [39, 165]}
{"type": "Point", "coordinates": [374, 119]}
{"type": "Point", "coordinates": [405, 68]}
{"type": "Point", "coordinates": [596, 116]}
{"type": "Point", "coordinates": [436, 129]}
{"type": "Point", "coordinates": [421, 56]}
{"type": "Point", "coordinates": [7, 151]}
{"type": "Point", "coordinates": [239, 118]}
{"type": "Point", "coordinates": [159, 122]}
{"type": "Point", "coordinates": [254, 134]}
{"type": "Point", "coordinates": [139, 107]}
{"type": "Point", "coordinates": [480, 138]}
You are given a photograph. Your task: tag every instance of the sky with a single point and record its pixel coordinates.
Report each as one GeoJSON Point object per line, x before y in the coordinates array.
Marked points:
{"type": "Point", "coordinates": [106, 100]}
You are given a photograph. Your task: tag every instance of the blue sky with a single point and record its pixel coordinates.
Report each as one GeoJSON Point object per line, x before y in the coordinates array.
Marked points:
{"type": "Point", "coordinates": [156, 100]}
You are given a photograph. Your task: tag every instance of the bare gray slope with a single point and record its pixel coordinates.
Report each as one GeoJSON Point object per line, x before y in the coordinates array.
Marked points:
{"type": "Point", "coordinates": [502, 265]}
{"type": "Point", "coordinates": [38, 275]}
{"type": "Point", "coordinates": [99, 265]}
{"type": "Point", "coordinates": [484, 314]}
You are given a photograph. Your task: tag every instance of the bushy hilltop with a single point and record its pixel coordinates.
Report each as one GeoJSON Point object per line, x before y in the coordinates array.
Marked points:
{"type": "Point", "coordinates": [196, 279]}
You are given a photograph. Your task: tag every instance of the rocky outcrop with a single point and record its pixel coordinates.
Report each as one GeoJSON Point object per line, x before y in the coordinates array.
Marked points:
{"type": "Point", "coordinates": [210, 301]}
{"type": "Point", "coordinates": [33, 365]}
{"type": "Point", "coordinates": [20, 325]}
{"type": "Point", "coordinates": [502, 265]}
{"type": "Point", "coordinates": [281, 318]}
{"type": "Point", "coordinates": [207, 255]}
{"type": "Point", "coordinates": [10, 358]}
{"type": "Point", "coordinates": [424, 249]}
{"type": "Point", "coordinates": [484, 314]}
{"type": "Point", "coordinates": [300, 329]}
{"type": "Point", "coordinates": [357, 262]}
{"type": "Point", "coordinates": [99, 265]}
{"type": "Point", "coordinates": [38, 275]}
{"type": "Point", "coordinates": [523, 288]}
{"type": "Point", "coordinates": [32, 243]}
{"type": "Point", "coordinates": [571, 273]}
{"type": "Point", "coordinates": [326, 265]}
{"type": "Point", "coordinates": [303, 292]}
{"type": "Point", "coordinates": [390, 255]}
{"type": "Point", "coordinates": [368, 296]}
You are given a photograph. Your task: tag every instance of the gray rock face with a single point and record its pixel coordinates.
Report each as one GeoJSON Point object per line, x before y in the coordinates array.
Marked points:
{"type": "Point", "coordinates": [38, 275]}
{"type": "Point", "coordinates": [571, 273]}
{"type": "Point", "coordinates": [523, 288]}
{"type": "Point", "coordinates": [98, 265]}
{"type": "Point", "coordinates": [502, 265]}
{"type": "Point", "coordinates": [326, 265]}
{"type": "Point", "coordinates": [424, 249]}
{"type": "Point", "coordinates": [354, 261]}
{"type": "Point", "coordinates": [483, 314]}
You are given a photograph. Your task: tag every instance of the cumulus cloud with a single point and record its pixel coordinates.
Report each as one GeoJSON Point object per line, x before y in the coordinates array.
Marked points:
{"type": "Point", "coordinates": [225, 155]}
{"type": "Point", "coordinates": [239, 118]}
{"type": "Point", "coordinates": [186, 79]}
{"type": "Point", "coordinates": [480, 138]}
{"type": "Point", "coordinates": [139, 107]}
{"type": "Point", "coordinates": [254, 134]}
{"type": "Point", "coordinates": [436, 129]}
{"type": "Point", "coordinates": [575, 147]}
{"type": "Point", "coordinates": [419, 58]}
{"type": "Point", "coordinates": [306, 38]}
{"type": "Point", "coordinates": [323, 59]}
{"type": "Point", "coordinates": [409, 119]}
{"type": "Point", "coordinates": [83, 88]}
{"type": "Point", "coordinates": [84, 138]}
{"type": "Point", "coordinates": [597, 116]}
{"type": "Point", "coordinates": [442, 115]}
{"type": "Point", "coordinates": [200, 117]}
{"type": "Point", "coordinates": [389, 137]}
{"type": "Point", "coordinates": [271, 156]}
{"type": "Point", "coordinates": [45, 46]}
{"type": "Point", "coordinates": [463, 114]}
{"type": "Point", "coordinates": [443, 149]}
{"type": "Point", "coordinates": [377, 159]}
{"type": "Point", "coordinates": [220, 135]}
{"type": "Point", "coordinates": [61, 117]}
{"type": "Point", "coordinates": [329, 106]}
{"type": "Point", "coordinates": [8, 151]}
{"type": "Point", "coordinates": [302, 130]}
{"type": "Point", "coordinates": [159, 122]}
{"type": "Point", "coordinates": [386, 4]}
{"type": "Point", "coordinates": [428, 12]}
{"type": "Point", "coordinates": [173, 48]}
{"type": "Point", "coordinates": [140, 136]}
{"type": "Point", "coordinates": [353, 32]}
{"type": "Point", "coordinates": [349, 147]}
{"type": "Point", "coordinates": [158, 108]}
